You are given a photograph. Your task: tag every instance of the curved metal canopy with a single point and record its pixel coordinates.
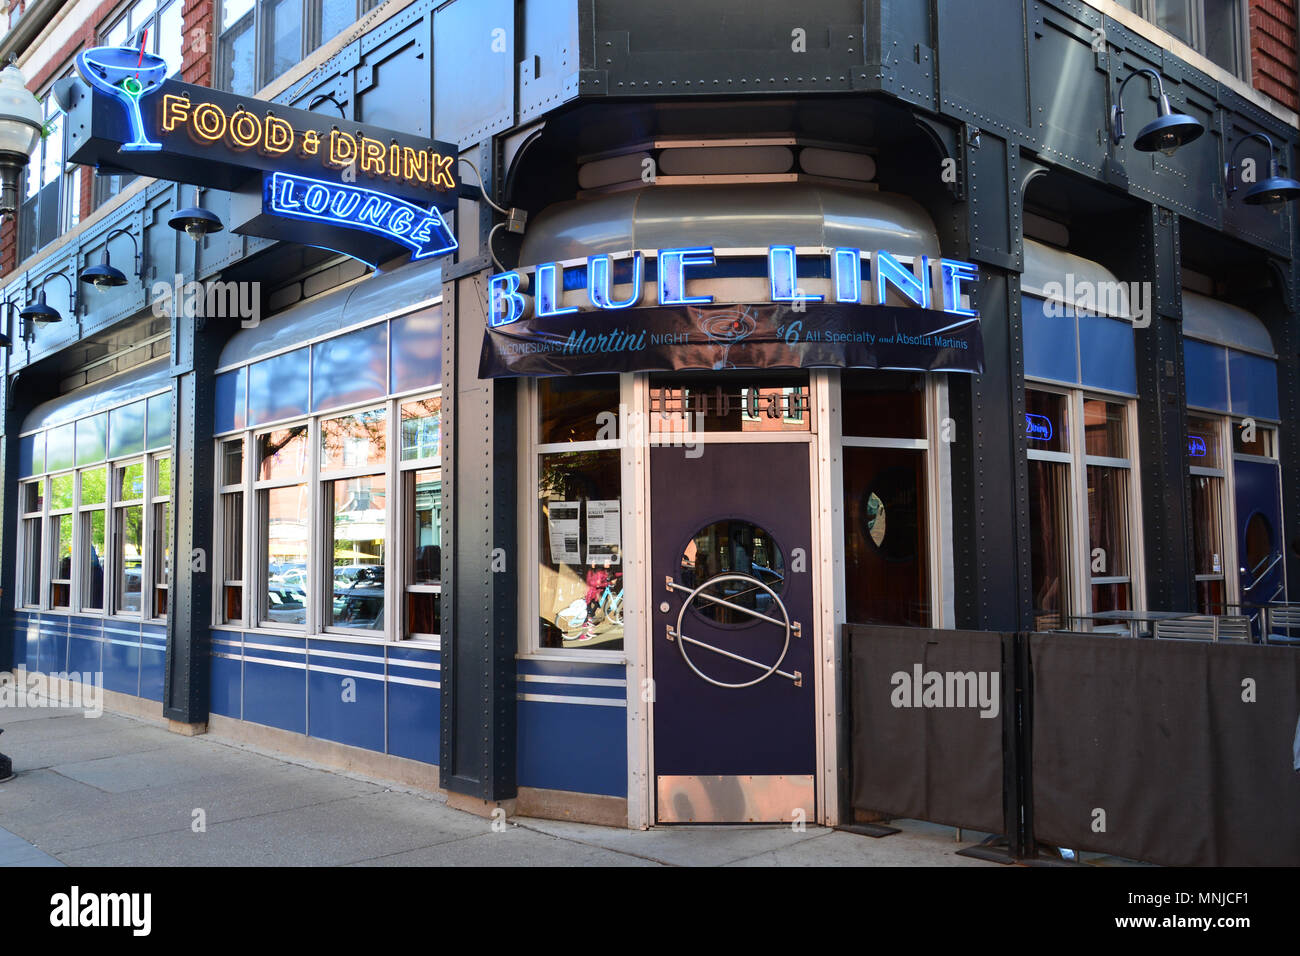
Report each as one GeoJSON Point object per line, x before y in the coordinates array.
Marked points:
{"type": "Point", "coordinates": [731, 216]}
{"type": "Point", "coordinates": [135, 383]}
{"type": "Point", "coordinates": [1047, 265]}
{"type": "Point", "coordinates": [1221, 323]}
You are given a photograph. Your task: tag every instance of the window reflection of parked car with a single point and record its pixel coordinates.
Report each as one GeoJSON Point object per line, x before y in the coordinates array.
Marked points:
{"type": "Point", "coordinates": [286, 606]}
{"type": "Point", "coordinates": [359, 596]}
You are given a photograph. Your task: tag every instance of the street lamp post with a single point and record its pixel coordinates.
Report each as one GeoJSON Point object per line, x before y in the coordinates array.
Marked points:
{"type": "Point", "coordinates": [20, 131]}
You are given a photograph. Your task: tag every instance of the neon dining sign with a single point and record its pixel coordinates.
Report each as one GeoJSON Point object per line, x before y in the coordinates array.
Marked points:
{"type": "Point", "coordinates": [856, 278]}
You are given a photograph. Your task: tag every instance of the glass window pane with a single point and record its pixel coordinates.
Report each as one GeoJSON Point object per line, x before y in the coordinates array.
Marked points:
{"type": "Point", "coordinates": [130, 481]}
{"type": "Point", "coordinates": [1223, 33]}
{"type": "Point", "coordinates": [350, 368]}
{"type": "Point", "coordinates": [1103, 429]}
{"type": "Point", "coordinates": [422, 428]}
{"type": "Point", "coordinates": [284, 36]}
{"type": "Point", "coordinates": [238, 58]}
{"type": "Point", "coordinates": [91, 439]}
{"type": "Point", "coordinates": [334, 16]}
{"type": "Point", "coordinates": [426, 536]}
{"type": "Point", "coordinates": [282, 454]}
{"type": "Point", "coordinates": [53, 149]}
{"type": "Point", "coordinates": [284, 553]}
{"type": "Point", "coordinates": [356, 533]}
{"type": "Point", "coordinates": [1050, 545]}
{"type": "Point", "coordinates": [277, 387]}
{"type": "Point", "coordinates": [232, 462]}
{"type": "Point", "coordinates": [162, 556]}
{"type": "Point", "coordinates": [886, 556]}
{"type": "Point", "coordinates": [1174, 16]}
{"type": "Point", "coordinates": [1046, 421]}
{"type": "Point", "coordinates": [423, 612]}
{"type": "Point", "coordinates": [757, 403]}
{"type": "Point", "coordinates": [59, 448]}
{"type": "Point", "coordinates": [1253, 439]}
{"type": "Point", "coordinates": [32, 563]}
{"type": "Point", "coordinates": [117, 35]}
{"type": "Point", "coordinates": [33, 496]}
{"type": "Point", "coordinates": [1207, 524]}
{"type": "Point", "coordinates": [61, 562]}
{"type": "Point", "coordinates": [574, 409]}
{"type": "Point", "coordinates": [94, 486]}
{"type": "Point", "coordinates": [416, 347]}
{"type": "Point", "coordinates": [92, 560]}
{"type": "Point", "coordinates": [232, 555]}
{"type": "Point", "coordinates": [160, 421]}
{"type": "Point", "coordinates": [883, 404]}
{"type": "Point", "coordinates": [125, 430]}
{"type": "Point", "coordinates": [581, 584]}
{"type": "Point", "coordinates": [1203, 445]}
{"type": "Point", "coordinates": [168, 42]}
{"type": "Point", "coordinates": [732, 546]}
{"type": "Point", "coordinates": [61, 489]}
{"type": "Point", "coordinates": [130, 558]}
{"type": "Point", "coordinates": [232, 10]}
{"type": "Point", "coordinates": [162, 477]}
{"type": "Point", "coordinates": [351, 441]}
{"type": "Point", "coordinates": [230, 400]}
{"type": "Point", "coordinates": [31, 454]}
{"type": "Point", "coordinates": [1108, 521]}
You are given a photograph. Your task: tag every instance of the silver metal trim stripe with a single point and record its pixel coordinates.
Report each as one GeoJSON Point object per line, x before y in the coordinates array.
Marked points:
{"type": "Point", "coordinates": [588, 681]}
{"type": "Point", "coordinates": [554, 699]}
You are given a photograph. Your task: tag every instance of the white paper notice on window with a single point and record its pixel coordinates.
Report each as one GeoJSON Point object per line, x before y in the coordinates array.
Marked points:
{"type": "Point", "coordinates": [604, 526]}
{"type": "Point", "coordinates": [562, 523]}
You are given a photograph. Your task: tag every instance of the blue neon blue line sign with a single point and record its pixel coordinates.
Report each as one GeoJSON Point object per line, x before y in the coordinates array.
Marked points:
{"type": "Point", "coordinates": [423, 231]}
{"type": "Point", "coordinates": [920, 284]}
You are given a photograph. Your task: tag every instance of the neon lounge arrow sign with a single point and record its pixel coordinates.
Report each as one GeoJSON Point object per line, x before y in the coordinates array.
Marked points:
{"type": "Point", "coordinates": [421, 230]}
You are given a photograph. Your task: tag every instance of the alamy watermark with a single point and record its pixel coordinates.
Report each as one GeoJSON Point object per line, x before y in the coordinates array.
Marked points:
{"type": "Point", "coordinates": [1089, 298]}
{"type": "Point", "coordinates": [214, 299]}
{"type": "Point", "coordinates": [947, 689]}
{"type": "Point", "coordinates": [629, 429]}
{"type": "Point", "coordinates": [63, 689]}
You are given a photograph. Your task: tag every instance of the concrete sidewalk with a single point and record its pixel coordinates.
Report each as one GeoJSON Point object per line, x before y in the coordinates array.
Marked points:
{"type": "Point", "coordinates": [117, 791]}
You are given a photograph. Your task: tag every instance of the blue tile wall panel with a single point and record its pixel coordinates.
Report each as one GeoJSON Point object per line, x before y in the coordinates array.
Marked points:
{"type": "Point", "coordinates": [1050, 350]}
{"type": "Point", "coordinates": [1106, 354]}
{"type": "Point", "coordinates": [226, 680]}
{"type": "Point", "coordinates": [1206, 369]}
{"type": "Point", "coordinates": [122, 657]}
{"type": "Point", "coordinates": [414, 709]}
{"type": "Point", "coordinates": [1254, 384]}
{"type": "Point", "coordinates": [347, 708]}
{"type": "Point", "coordinates": [579, 743]}
{"type": "Point", "coordinates": [153, 662]}
{"type": "Point", "coordinates": [54, 644]}
{"type": "Point", "coordinates": [275, 686]}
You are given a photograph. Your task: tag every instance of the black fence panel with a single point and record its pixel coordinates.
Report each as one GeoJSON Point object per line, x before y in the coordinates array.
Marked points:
{"type": "Point", "coordinates": [928, 711]}
{"type": "Point", "coordinates": [1178, 753]}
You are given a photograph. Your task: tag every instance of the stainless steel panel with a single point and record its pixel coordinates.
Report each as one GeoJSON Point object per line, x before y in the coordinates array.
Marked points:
{"type": "Point", "coordinates": [748, 798]}
{"type": "Point", "coordinates": [730, 216]}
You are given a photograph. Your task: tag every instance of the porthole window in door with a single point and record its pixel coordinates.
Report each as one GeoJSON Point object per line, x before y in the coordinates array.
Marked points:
{"type": "Point", "coordinates": [733, 546]}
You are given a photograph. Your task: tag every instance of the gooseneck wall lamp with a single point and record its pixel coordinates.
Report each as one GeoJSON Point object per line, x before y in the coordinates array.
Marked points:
{"type": "Point", "coordinates": [195, 221]}
{"type": "Point", "coordinates": [7, 308]}
{"type": "Point", "coordinates": [104, 276]}
{"type": "Point", "coordinates": [1274, 191]}
{"type": "Point", "coordinates": [40, 311]}
{"type": "Point", "coordinates": [1167, 132]}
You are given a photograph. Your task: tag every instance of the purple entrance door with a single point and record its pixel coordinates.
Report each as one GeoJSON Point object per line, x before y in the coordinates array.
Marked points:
{"type": "Point", "coordinates": [732, 633]}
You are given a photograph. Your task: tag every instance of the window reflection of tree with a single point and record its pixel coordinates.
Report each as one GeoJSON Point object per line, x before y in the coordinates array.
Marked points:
{"type": "Point", "coordinates": [366, 430]}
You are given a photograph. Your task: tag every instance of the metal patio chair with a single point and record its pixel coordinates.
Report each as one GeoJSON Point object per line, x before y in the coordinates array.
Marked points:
{"type": "Point", "coordinates": [1282, 624]}
{"type": "Point", "coordinates": [1233, 627]}
{"type": "Point", "coordinates": [1201, 627]}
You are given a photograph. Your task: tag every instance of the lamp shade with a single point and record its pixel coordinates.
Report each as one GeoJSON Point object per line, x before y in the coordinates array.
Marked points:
{"type": "Point", "coordinates": [196, 222]}
{"type": "Point", "coordinates": [41, 311]}
{"type": "Point", "coordinates": [103, 275]}
{"type": "Point", "coordinates": [1272, 191]}
{"type": "Point", "coordinates": [1167, 132]}
{"type": "Point", "coordinates": [20, 114]}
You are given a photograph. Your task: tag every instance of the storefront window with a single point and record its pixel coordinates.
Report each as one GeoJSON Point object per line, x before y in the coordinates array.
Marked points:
{"type": "Point", "coordinates": [128, 532]}
{"type": "Point", "coordinates": [887, 549]}
{"type": "Point", "coordinates": [356, 519]}
{"type": "Point", "coordinates": [231, 516]}
{"type": "Point", "coordinates": [765, 403]}
{"type": "Point", "coordinates": [1206, 468]}
{"type": "Point", "coordinates": [33, 503]}
{"type": "Point", "coordinates": [61, 562]}
{"type": "Point", "coordinates": [161, 558]}
{"type": "Point", "coordinates": [94, 491]}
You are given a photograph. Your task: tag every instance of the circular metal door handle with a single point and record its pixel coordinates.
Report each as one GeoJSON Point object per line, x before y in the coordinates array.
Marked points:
{"type": "Point", "coordinates": [683, 640]}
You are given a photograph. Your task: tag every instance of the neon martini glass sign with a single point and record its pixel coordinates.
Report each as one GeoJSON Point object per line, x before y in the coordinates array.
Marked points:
{"type": "Point", "coordinates": [127, 75]}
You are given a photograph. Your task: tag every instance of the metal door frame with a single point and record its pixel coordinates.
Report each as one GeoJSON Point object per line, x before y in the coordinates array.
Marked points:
{"type": "Point", "coordinates": [820, 630]}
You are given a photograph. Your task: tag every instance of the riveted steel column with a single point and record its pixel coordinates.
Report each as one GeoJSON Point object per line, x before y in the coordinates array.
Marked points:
{"type": "Point", "coordinates": [991, 547]}
{"type": "Point", "coordinates": [195, 351]}
{"type": "Point", "coordinates": [1162, 416]}
{"type": "Point", "coordinates": [481, 558]}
